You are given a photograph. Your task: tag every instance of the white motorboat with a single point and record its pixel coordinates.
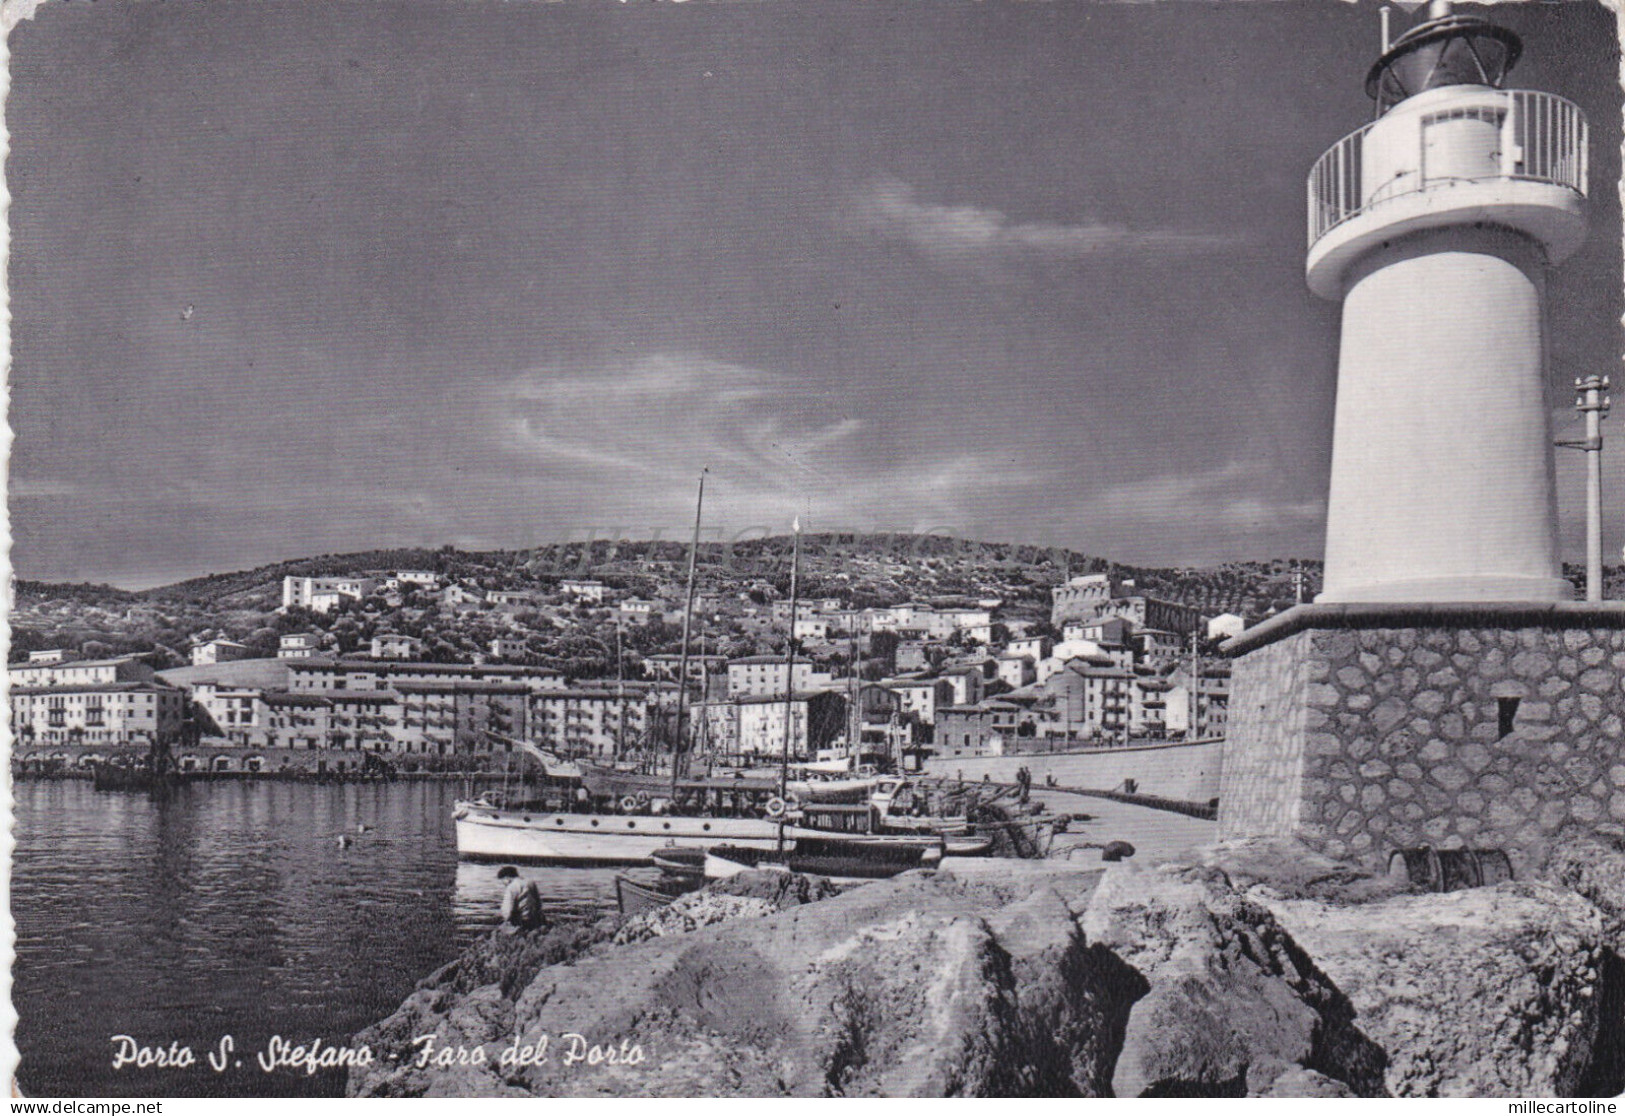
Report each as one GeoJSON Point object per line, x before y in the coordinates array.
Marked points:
{"type": "Point", "coordinates": [489, 832]}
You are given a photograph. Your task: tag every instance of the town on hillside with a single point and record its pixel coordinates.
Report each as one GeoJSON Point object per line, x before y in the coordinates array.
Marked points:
{"type": "Point", "coordinates": [893, 655]}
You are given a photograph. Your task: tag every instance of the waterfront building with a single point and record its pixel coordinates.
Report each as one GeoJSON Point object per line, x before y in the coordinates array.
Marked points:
{"type": "Point", "coordinates": [447, 718]}
{"type": "Point", "coordinates": [1094, 698]}
{"type": "Point", "coordinates": [81, 672]}
{"type": "Point", "coordinates": [289, 721]}
{"type": "Point", "coordinates": [234, 712]}
{"type": "Point", "coordinates": [981, 729]}
{"type": "Point", "coordinates": [601, 722]}
{"type": "Point", "coordinates": [755, 725]}
{"type": "Point", "coordinates": [424, 579]}
{"type": "Point", "coordinates": [323, 675]}
{"type": "Point", "coordinates": [757, 675]}
{"type": "Point", "coordinates": [106, 712]}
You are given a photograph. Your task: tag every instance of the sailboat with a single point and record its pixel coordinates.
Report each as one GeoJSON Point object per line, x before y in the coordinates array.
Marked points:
{"type": "Point", "coordinates": [634, 815]}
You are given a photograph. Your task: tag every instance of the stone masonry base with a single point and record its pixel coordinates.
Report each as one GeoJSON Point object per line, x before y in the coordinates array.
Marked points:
{"type": "Point", "coordinates": [1363, 728]}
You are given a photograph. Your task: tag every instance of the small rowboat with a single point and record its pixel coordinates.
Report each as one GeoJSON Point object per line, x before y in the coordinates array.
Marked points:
{"type": "Point", "coordinates": [637, 898]}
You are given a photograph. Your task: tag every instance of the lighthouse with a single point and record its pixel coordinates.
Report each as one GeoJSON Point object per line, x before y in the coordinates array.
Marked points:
{"type": "Point", "coordinates": [1435, 225]}
{"type": "Point", "coordinates": [1445, 691]}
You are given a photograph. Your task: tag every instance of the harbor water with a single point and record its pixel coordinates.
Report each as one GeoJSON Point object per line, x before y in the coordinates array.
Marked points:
{"type": "Point", "coordinates": [234, 909]}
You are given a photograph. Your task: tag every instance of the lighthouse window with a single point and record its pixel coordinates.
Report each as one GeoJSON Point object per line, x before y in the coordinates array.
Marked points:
{"type": "Point", "coordinates": [1506, 711]}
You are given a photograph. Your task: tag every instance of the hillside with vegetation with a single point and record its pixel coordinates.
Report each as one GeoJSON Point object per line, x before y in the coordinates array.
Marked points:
{"type": "Point", "coordinates": [858, 570]}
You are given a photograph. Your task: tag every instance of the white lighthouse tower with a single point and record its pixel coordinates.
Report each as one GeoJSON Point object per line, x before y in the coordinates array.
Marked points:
{"type": "Point", "coordinates": [1434, 225]}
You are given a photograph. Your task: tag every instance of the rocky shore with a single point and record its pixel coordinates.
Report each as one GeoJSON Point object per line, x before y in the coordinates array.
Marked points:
{"type": "Point", "coordinates": [1258, 969]}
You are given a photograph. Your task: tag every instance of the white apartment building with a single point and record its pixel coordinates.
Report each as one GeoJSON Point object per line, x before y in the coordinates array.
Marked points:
{"type": "Point", "coordinates": [760, 675]}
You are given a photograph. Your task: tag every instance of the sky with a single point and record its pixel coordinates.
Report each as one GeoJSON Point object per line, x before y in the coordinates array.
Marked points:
{"type": "Point", "coordinates": [291, 279]}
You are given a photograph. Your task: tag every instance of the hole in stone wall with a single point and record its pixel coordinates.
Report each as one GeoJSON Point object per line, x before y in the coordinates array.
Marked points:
{"type": "Point", "coordinates": [1506, 710]}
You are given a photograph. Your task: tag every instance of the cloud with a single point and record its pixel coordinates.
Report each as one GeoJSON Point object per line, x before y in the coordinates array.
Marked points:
{"type": "Point", "coordinates": [26, 488]}
{"type": "Point", "coordinates": [891, 209]}
{"type": "Point", "coordinates": [1227, 497]}
{"type": "Point", "coordinates": [638, 434]}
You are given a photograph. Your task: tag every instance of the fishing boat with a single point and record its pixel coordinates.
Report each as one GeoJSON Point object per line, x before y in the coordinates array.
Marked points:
{"type": "Point", "coordinates": [839, 859]}
{"type": "Point", "coordinates": [680, 864]}
{"type": "Point", "coordinates": [155, 771]}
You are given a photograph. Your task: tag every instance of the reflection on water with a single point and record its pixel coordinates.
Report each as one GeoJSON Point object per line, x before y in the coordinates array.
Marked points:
{"type": "Point", "coordinates": [233, 908]}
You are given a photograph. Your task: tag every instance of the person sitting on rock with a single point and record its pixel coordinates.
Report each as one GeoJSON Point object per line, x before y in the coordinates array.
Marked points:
{"type": "Point", "coordinates": [521, 906]}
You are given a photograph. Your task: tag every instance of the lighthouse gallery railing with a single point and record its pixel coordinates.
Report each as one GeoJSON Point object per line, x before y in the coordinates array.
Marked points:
{"type": "Point", "coordinates": [1543, 140]}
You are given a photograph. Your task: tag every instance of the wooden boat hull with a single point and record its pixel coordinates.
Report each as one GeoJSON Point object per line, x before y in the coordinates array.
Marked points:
{"type": "Point", "coordinates": [838, 859]}
{"type": "Point", "coordinates": [636, 898]}
{"type": "Point", "coordinates": [484, 833]}
{"type": "Point", "coordinates": [512, 836]}
{"type": "Point", "coordinates": [113, 777]}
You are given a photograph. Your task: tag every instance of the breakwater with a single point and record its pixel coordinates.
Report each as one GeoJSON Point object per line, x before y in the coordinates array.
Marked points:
{"type": "Point", "coordinates": [1252, 970]}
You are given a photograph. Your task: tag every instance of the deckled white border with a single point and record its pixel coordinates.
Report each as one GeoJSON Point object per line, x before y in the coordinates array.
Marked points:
{"type": "Point", "coordinates": [13, 12]}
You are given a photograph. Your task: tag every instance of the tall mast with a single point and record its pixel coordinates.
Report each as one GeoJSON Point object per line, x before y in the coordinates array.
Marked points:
{"type": "Point", "coordinates": [620, 692]}
{"type": "Point", "coordinates": [789, 674]}
{"type": "Point", "coordinates": [688, 611]}
{"type": "Point", "coordinates": [853, 690]}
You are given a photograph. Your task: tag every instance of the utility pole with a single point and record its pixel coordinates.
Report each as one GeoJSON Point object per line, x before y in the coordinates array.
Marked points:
{"type": "Point", "coordinates": [1594, 405]}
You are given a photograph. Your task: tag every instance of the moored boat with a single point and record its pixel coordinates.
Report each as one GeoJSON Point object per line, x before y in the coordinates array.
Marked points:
{"type": "Point", "coordinates": [634, 897]}
{"type": "Point", "coordinates": [836, 858]}
{"type": "Point", "coordinates": [487, 832]}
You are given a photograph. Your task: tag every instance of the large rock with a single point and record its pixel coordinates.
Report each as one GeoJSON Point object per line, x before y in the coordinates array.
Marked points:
{"type": "Point", "coordinates": [1593, 865]}
{"type": "Point", "coordinates": [899, 988]}
{"type": "Point", "coordinates": [1486, 992]}
{"type": "Point", "coordinates": [1230, 1002]}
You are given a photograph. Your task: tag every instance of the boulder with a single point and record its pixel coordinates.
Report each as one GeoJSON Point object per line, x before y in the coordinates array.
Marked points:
{"type": "Point", "coordinates": [1479, 993]}
{"type": "Point", "coordinates": [1230, 1002]}
{"type": "Point", "coordinates": [1593, 865]}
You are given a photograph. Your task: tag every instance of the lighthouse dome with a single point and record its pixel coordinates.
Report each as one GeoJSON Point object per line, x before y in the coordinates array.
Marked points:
{"type": "Point", "coordinates": [1445, 49]}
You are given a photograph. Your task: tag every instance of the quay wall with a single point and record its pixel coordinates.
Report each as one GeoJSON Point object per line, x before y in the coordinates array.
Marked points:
{"type": "Point", "coordinates": [1188, 772]}
{"type": "Point", "coordinates": [77, 759]}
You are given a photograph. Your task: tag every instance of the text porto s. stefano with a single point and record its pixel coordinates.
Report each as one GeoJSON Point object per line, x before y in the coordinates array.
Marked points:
{"type": "Point", "coordinates": [571, 1049]}
{"type": "Point", "coordinates": [279, 1053]}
